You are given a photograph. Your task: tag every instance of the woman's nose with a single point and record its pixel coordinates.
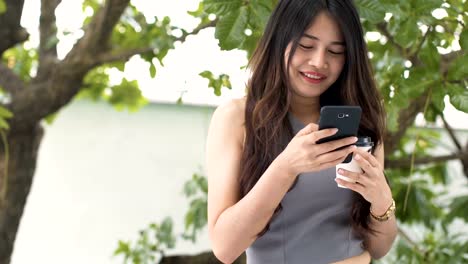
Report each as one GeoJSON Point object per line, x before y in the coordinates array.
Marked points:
{"type": "Point", "coordinates": [318, 59]}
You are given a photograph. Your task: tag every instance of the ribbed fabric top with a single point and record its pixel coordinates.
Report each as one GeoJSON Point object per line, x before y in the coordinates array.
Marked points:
{"type": "Point", "coordinates": [314, 225]}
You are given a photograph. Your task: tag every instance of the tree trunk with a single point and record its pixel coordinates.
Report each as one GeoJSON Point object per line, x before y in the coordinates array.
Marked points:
{"type": "Point", "coordinates": [23, 149]}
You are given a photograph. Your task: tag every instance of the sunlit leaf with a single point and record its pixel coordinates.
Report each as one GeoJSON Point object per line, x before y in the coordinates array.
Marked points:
{"type": "Point", "coordinates": [230, 29]}
{"type": "Point", "coordinates": [458, 97]}
{"type": "Point", "coordinates": [3, 6]}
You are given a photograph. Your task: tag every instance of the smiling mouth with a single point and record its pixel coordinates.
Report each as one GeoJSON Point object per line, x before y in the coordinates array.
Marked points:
{"type": "Point", "coordinates": [314, 77]}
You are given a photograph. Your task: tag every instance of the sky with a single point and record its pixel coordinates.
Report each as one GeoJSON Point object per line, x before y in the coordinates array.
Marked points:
{"type": "Point", "coordinates": [179, 76]}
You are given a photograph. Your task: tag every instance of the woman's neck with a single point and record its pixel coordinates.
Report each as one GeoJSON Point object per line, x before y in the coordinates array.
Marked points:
{"type": "Point", "coordinates": [307, 110]}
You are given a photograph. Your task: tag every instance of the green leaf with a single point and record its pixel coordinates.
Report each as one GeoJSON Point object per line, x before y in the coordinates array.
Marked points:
{"type": "Point", "coordinates": [430, 56]}
{"type": "Point", "coordinates": [425, 7]}
{"type": "Point", "coordinates": [420, 207]}
{"type": "Point", "coordinates": [415, 84]}
{"type": "Point", "coordinates": [464, 39]}
{"type": "Point", "coordinates": [3, 6]}
{"type": "Point", "coordinates": [459, 68]}
{"type": "Point", "coordinates": [407, 33]}
{"type": "Point", "coordinates": [190, 188]}
{"type": "Point", "coordinates": [165, 236]}
{"type": "Point", "coordinates": [122, 248]}
{"type": "Point", "coordinates": [371, 10]}
{"type": "Point", "coordinates": [120, 66]}
{"type": "Point", "coordinates": [21, 60]}
{"type": "Point", "coordinates": [202, 183]}
{"type": "Point", "coordinates": [258, 16]}
{"type": "Point", "coordinates": [180, 101]}
{"type": "Point", "coordinates": [127, 95]}
{"type": "Point", "coordinates": [250, 43]}
{"type": "Point", "coordinates": [199, 12]}
{"type": "Point", "coordinates": [51, 118]}
{"type": "Point", "coordinates": [230, 29]}
{"type": "Point", "coordinates": [4, 124]}
{"type": "Point", "coordinates": [217, 83]}
{"type": "Point", "coordinates": [458, 208]}
{"type": "Point", "coordinates": [189, 219]}
{"type": "Point", "coordinates": [220, 7]}
{"type": "Point", "coordinates": [438, 94]}
{"type": "Point", "coordinates": [152, 70]}
{"type": "Point", "coordinates": [458, 97]}
{"type": "Point", "coordinates": [5, 113]}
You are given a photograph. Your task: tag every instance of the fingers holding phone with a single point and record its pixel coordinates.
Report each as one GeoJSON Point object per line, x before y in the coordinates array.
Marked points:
{"type": "Point", "coordinates": [303, 154]}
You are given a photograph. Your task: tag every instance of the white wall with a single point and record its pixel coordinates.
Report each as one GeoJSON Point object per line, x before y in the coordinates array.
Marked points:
{"type": "Point", "coordinates": [102, 175]}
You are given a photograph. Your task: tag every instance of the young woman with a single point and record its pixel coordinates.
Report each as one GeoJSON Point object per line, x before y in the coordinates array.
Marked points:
{"type": "Point", "coordinates": [272, 189]}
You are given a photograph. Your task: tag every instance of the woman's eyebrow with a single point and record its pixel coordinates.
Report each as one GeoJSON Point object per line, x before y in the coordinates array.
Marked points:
{"type": "Point", "coordinates": [333, 42]}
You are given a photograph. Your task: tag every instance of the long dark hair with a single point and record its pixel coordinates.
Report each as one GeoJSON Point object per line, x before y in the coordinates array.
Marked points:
{"type": "Point", "coordinates": [267, 127]}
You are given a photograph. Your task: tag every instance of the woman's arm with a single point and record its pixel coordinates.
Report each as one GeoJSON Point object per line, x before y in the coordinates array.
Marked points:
{"type": "Point", "coordinates": [233, 224]}
{"type": "Point", "coordinates": [373, 186]}
{"type": "Point", "coordinates": [381, 243]}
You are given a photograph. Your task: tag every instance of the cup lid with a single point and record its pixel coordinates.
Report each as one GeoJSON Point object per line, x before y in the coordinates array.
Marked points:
{"type": "Point", "coordinates": [364, 142]}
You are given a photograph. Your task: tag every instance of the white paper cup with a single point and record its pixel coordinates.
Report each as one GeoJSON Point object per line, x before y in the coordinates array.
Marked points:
{"type": "Point", "coordinates": [363, 143]}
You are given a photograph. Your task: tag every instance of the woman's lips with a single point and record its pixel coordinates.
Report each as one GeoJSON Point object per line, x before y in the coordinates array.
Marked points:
{"type": "Point", "coordinates": [313, 77]}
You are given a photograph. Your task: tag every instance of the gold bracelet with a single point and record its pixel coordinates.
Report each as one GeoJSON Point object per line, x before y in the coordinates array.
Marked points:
{"type": "Point", "coordinates": [386, 215]}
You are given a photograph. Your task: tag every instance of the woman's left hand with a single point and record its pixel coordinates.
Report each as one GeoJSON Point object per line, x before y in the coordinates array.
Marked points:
{"type": "Point", "coordinates": [370, 183]}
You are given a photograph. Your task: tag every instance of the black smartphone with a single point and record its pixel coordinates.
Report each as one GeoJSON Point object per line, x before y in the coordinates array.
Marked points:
{"type": "Point", "coordinates": [345, 118]}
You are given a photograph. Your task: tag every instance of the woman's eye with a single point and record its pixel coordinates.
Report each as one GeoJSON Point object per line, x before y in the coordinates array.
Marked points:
{"type": "Point", "coordinates": [335, 52]}
{"type": "Point", "coordinates": [306, 47]}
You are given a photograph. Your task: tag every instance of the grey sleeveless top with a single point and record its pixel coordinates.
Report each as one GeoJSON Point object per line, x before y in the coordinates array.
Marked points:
{"type": "Point", "coordinates": [314, 225]}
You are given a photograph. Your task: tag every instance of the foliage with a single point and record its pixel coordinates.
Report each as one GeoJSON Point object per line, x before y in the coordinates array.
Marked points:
{"type": "Point", "coordinates": [22, 60]}
{"type": "Point", "coordinates": [155, 239]}
{"type": "Point", "coordinates": [434, 246]}
{"type": "Point", "coordinates": [196, 217]}
{"type": "Point", "coordinates": [133, 32]}
{"type": "Point", "coordinates": [217, 83]}
{"type": "Point", "coordinates": [151, 244]}
{"type": "Point", "coordinates": [3, 6]}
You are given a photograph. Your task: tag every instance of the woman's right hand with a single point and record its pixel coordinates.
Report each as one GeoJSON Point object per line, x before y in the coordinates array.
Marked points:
{"type": "Point", "coordinates": [303, 155]}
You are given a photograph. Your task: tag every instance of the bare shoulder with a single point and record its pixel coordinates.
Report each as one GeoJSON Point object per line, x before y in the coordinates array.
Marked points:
{"type": "Point", "coordinates": [233, 109]}
{"type": "Point", "coordinates": [230, 116]}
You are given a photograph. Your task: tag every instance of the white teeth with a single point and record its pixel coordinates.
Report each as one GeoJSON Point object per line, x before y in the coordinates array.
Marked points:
{"type": "Point", "coordinates": [313, 76]}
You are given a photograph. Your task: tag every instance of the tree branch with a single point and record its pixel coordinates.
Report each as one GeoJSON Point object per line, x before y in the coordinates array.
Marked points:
{"type": "Point", "coordinates": [406, 118]}
{"type": "Point", "coordinates": [48, 28]}
{"type": "Point", "coordinates": [414, 56]}
{"type": "Point", "coordinates": [197, 30]}
{"type": "Point", "coordinates": [406, 162]}
{"type": "Point", "coordinates": [48, 37]}
{"type": "Point", "coordinates": [382, 27]}
{"type": "Point", "coordinates": [113, 56]}
{"type": "Point", "coordinates": [98, 32]}
{"type": "Point", "coordinates": [64, 78]}
{"type": "Point", "coordinates": [9, 81]}
{"type": "Point", "coordinates": [450, 131]}
{"type": "Point", "coordinates": [11, 32]}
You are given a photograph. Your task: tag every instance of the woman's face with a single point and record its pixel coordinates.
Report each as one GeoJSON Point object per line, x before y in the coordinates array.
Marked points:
{"type": "Point", "coordinates": [319, 58]}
